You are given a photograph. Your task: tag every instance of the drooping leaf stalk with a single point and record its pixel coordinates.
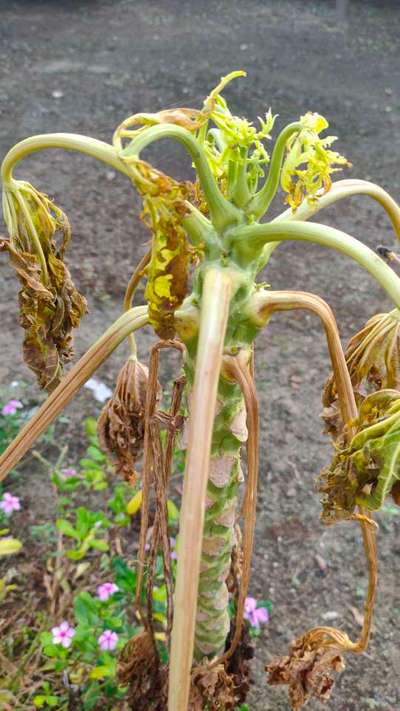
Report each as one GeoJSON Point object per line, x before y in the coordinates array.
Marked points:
{"type": "Point", "coordinates": [340, 190]}
{"type": "Point", "coordinates": [72, 382]}
{"type": "Point", "coordinates": [248, 241]}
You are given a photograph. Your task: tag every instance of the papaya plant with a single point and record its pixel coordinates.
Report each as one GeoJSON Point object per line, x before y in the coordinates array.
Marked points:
{"type": "Point", "coordinates": [211, 239]}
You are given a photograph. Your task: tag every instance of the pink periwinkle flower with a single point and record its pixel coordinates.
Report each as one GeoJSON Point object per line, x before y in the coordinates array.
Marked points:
{"type": "Point", "coordinates": [174, 554]}
{"type": "Point", "coordinates": [10, 503]}
{"type": "Point", "coordinates": [68, 472]}
{"type": "Point", "coordinates": [255, 615]}
{"type": "Point", "coordinates": [105, 590]}
{"type": "Point", "coordinates": [108, 640]}
{"type": "Point", "coordinates": [11, 407]}
{"type": "Point", "coordinates": [63, 634]}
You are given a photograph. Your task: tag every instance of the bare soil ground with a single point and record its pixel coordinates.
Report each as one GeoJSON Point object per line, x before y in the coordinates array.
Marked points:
{"type": "Point", "coordinates": [84, 66]}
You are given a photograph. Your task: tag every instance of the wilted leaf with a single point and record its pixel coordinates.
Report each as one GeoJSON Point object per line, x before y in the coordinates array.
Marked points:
{"type": "Point", "coordinates": [372, 357]}
{"type": "Point", "coordinates": [50, 305]}
{"type": "Point", "coordinates": [164, 207]}
{"type": "Point", "coordinates": [368, 469]}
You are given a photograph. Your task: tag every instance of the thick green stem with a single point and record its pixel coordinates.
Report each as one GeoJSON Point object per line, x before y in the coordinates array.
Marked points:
{"type": "Point", "coordinates": [261, 201]}
{"type": "Point", "coordinates": [213, 621]}
{"type": "Point", "coordinates": [222, 212]}
{"type": "Point", "coordinates": [249, 241]}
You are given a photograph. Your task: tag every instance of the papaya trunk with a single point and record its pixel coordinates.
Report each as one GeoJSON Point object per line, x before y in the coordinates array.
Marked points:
{"type": "Point", "coordinates": [229, 433]}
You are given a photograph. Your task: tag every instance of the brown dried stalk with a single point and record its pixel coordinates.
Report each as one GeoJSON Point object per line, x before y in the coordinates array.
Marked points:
{"type": "Point", "coordinates": [69, 386]}
{"type": "Point", "coordinates": [148, 461]}
{"type": "Point", "coordinates": [217, 292]}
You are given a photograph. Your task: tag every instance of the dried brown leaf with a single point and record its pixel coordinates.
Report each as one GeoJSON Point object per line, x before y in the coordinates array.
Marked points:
{"type": "Point", "coordinates": [308, 671]}
{"type": "Point", "coordinates": [121, 424]}
{"type": "Point", "coordinates": [139, 669]}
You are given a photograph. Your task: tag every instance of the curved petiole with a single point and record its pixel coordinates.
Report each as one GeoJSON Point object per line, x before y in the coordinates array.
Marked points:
{"type": "Point", "coordinates": [243, 377]}
{"type": "Point", "coordinates": [130, 292]}
{"type": "Point", "coordinates": [248, 242]}
{"type": "Point", "coordinates": [261, 201]}
{"type": "Point", "coordinates": [339, 190]}
{"type": "Point", "coordinates": [270, 301]}
{"type": "Point", "coordinates": [63, 394]}
{"type": "Point", "coordinates": [198, 225]}
{"type": "Point", "coordinates": [100, 150]}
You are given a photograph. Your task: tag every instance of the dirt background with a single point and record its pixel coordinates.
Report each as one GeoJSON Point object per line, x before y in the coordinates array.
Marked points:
{"type": "Point", "coordinates": [84, 66]}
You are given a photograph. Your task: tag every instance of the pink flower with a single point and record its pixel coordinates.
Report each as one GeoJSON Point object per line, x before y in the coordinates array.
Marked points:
{"type": "Point", "coordinates": [108, 640]}
{"type": "Point", "coordinates": [68, 472]}
{"type": "Point", "coordinates": [11, 407]}
{"type": "Point", "coordinates": [63, 634]}
{"type": "Point", "coordinates": [10, 503]}
{"type": "Point", "coordinates": [105, 590]}
{"type": "Point", "coordinates": [255, 615]}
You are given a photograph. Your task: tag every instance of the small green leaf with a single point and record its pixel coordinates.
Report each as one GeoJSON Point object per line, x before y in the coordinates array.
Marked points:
{"type": "Point", "coordinates": [85, 608]}
{"type": "Point", "coordinates": [67, 529]}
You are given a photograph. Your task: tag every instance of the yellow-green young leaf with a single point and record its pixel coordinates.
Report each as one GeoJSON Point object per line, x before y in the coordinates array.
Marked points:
{"type": "Point", "coordinates": [309, 162]}
{"type": "Point", "coordinates": [9, 546]}
{"type": "Point", "coordinates": [135, 503]}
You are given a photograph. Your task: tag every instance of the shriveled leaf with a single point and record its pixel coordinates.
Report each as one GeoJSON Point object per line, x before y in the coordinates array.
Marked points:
{"type": "Point", "coordinates": [372, 357]}
{"type": "Point", "coordinates": [308, 673]}
{"type": "Point", "coordinates": [309, 670]}
{"type": "Point", "coordinates": [121, 424]}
